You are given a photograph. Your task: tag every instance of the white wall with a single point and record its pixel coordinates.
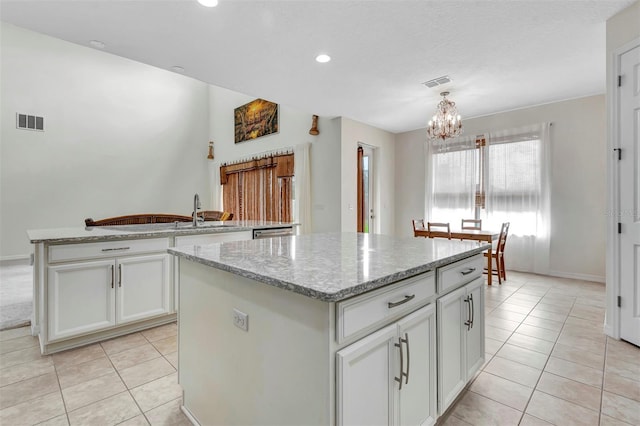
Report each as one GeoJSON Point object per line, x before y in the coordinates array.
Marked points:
{"type": "Point", "coordinates": [120, 137]}
{"type": "Point", "coordinates": [294, 128]}
{"type": "Point", "coordinates": [410, 180]}
{"type": "Point", "coordinates": [352, 133]}
{"type": "Point", "coordinates": [578, 184]}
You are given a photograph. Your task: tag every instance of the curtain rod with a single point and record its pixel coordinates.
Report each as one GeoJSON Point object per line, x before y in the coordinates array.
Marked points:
{"type": "Point", "coordinates": [261, 155]}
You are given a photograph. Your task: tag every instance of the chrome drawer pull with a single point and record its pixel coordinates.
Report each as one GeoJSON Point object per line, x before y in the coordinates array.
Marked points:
{"type": "Point", "coordinates": [406, 340]}
{"type": "Point", "coordinates": [467, 271]}
{"type": "Point", "coordinates": [405, 300]}
{"type": "Point", "coordinates": [116, 249]}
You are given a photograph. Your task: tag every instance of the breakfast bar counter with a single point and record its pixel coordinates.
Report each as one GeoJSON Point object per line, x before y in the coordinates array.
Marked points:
{"type": "Point", "coordinates": [315, 329]}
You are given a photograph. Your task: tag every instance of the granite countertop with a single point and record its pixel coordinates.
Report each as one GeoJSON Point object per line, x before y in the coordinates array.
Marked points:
{"type": "Point", "coordinates": [331, 266]}
{"type": "Point", "coordinates": [149, 230]}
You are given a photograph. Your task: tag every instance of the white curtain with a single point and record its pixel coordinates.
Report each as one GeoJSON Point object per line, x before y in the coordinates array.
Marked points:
{"type": "Point", "coordinates": [451, 181]}
{"type": "Point", "coordinates": [216, 191]}
{"type": "Point", "coordinates": [518, 191]}
{"type": "Point", "coordinates": [302, 191]}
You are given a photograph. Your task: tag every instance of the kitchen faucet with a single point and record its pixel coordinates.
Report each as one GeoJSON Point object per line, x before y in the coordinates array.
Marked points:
{"type": "Point", "coordinates": [196, 207]}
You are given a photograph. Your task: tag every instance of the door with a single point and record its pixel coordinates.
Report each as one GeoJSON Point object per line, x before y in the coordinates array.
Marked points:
{"type": "Point", "coordinates": [629, 215]}
{"type": "Point", "coordinates": [417, 398]}
{"type": "Point", "coordinates": [475, 331]}
{"type": "Point", "coordinates": [365, 380]}
{"type": "Point", "coordinates": [365, 182]}
{"type": "Point", "coordinates": [452, 311]}
{"type": "Point", "coordinates": [142, 287]}
{"type": "Point", "coordinates": [81, 298]}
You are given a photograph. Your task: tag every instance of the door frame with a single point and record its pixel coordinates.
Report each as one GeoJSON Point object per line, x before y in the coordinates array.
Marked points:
{"type": "Point", "coordinates": [371, 151]}
{"type": "Point", "coordinates": [613, 272]}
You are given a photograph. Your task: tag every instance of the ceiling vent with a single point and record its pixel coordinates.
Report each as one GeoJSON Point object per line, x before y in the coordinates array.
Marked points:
{"type": "Point", "coordinates": [437, 81]}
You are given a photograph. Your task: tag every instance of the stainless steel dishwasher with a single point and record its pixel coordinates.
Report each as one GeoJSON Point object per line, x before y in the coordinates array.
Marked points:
{"type": "Point", "coordinates": [285, 231]}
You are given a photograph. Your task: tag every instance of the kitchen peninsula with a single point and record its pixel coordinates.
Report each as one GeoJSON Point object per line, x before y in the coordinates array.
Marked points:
{"type": "Point", "coordinates": [95, 283]}
{"type": "Point", "coordinates": [323, 329]}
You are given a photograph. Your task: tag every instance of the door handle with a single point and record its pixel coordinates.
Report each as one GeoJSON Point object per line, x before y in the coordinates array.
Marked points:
{"type": "Point", "coordinates": [467, 300]}
{"type": "Point", "coordinates": [119, 275]}
{"type": "Point", "coordinates": [473, 310]}
{"type": "Point", "coordinates": [406, 341]}
{"type": "Point", "coordinates": [399, 379]}
{"type": "Point", "coordinates": [112, 278]}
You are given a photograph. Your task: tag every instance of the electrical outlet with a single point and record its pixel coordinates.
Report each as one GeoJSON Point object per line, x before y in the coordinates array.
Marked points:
{"type": "Point", "coordinates": [241, 320]}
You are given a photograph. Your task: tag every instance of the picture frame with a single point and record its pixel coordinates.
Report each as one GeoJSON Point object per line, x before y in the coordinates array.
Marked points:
{"type": "Point", "coordinates": [255, 119]}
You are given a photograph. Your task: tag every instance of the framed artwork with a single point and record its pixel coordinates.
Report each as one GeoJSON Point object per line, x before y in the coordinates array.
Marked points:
{"type": "Point", "coordinates": [255, 119]}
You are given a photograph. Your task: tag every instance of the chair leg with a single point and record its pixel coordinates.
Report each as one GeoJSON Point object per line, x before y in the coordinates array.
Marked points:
{"type": "Point", "coordinates": [504, 271]}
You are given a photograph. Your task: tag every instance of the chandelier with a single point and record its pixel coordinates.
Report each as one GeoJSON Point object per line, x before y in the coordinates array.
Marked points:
{"type": "Point", "coordinates": [446, 123]}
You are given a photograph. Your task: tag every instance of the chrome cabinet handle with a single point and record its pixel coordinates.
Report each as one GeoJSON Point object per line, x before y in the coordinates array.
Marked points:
{"type": "Point", "coordinates": [112, 276]}
{"type": "Point", "coordinates": [467, 271]}
{"type": "Point", "coordinates": [405, 300]}
{"type": "Point", "coordinates": [119, 275]}
{"type": "Point", "coordinates": [467, 300]}
{"type": "Point", "coordinates": [473, 310]}
{"type": "Point", "coordinates": [116, 249]}
{"type": "Point", "coordinates": [406, 340]}
{"type": "Point", "coordinates": [399, 379]}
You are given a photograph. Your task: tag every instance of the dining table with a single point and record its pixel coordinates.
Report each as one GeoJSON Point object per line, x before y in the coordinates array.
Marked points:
{"type": "Point", "coordinates": [464, 234]}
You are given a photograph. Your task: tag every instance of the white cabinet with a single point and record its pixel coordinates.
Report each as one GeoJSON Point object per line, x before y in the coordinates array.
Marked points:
{"type": "Point", "coordinates": [143, 287]}
{"type": "Point", "coordinates": [219, 237]}
{"type": "Point", "coordinates": [98, 286]}
{"type": "Point", "coordinates": [389, 377]}
{"type": "Point", "coordinates": [460, 340]}
{"type": "Point", "coordinates": [81, 298]}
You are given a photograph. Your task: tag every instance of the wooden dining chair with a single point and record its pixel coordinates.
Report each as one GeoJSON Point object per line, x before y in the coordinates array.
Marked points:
{"type": "Point", "coordinates": [441, 229]}
{"type": "Point", "coordinates": [474, 224]}
{"type": "Point", "coordinates": [418, 225]}
{"type": "Point", "coordinates": [497, 253]}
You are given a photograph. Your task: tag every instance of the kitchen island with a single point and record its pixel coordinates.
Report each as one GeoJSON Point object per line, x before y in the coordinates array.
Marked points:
{"type": "Point", "coordinates": [323, 329]}
{"type": "Point", "coordinates": [95, 283]}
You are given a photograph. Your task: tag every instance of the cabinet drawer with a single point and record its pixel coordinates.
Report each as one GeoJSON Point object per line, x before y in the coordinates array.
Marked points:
{"type": "Point", "coordinates": [364, 313]}
{"type": "Point", "coordinates": [460, 272]}
{"type": "Point", "coordinates": [66, 252]}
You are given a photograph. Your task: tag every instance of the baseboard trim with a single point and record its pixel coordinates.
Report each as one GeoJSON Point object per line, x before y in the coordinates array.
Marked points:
{"type": "Point", "coordinates": [576, 276]}
{"type": "Point", "coordinates": [18, 259]}
{"type": "Point", "coordinates": [188, 414]}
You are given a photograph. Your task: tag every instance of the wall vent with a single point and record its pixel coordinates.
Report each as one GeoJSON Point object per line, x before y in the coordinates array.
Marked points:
{"type": "Point", "coordinates": [29, 122]}
{"type": "Point", "coordinates": [437, 81]}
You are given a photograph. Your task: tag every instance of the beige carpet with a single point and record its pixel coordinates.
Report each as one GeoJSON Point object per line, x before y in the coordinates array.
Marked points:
{"type": "Point", "coordinates": [16, 295]}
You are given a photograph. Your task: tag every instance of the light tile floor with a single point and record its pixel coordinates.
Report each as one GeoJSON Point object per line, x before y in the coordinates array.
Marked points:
{"type": "Point", "coordinates": [547, 362]}
{"type": "Point", "coordinates": [130, 380]}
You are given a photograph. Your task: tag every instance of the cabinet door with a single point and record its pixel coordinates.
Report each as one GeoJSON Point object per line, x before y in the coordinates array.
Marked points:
{"type": "Point", "coordinates": [417, 398]}
{"type": "Point", "coordinates": [81, 298]}
{"type": "Point", "coordinates": [452, 312]}
{"type": "Point", "coordinates": [365, 380]}
{"type": "Point", "coordinates": [142, 287]}
{"type": "Point", "coordinates": [475, 334]}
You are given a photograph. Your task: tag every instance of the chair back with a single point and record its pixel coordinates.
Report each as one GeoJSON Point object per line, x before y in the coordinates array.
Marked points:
{"type": "Point", "coordinates": [474, 224]}
{"type": "Point", "coordinates": [502, 239]}
{"type": "Point", "coordinates": [418, 225]}
{"type": "Point", "coordinates": [442, 229]}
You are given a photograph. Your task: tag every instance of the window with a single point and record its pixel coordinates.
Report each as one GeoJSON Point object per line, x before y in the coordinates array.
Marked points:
{"type": "Point", "coordinates": [259, 189]}
{"type": "Point", "coordinates": [498, 177]}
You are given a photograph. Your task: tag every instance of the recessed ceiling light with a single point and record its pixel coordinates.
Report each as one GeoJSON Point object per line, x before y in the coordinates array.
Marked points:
{"type": "Point", "coordinates": [177, 68]}
{"type": "Point", "coordinates": [97, 44]}
{"type": "Point", "coordinates": [208, 3]}
{"type": "Point", "coordinates": [323, 58]}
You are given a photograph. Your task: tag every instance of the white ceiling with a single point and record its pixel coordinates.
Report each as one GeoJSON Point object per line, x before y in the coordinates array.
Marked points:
{"type": "Point", "coordinates": [500, 55]}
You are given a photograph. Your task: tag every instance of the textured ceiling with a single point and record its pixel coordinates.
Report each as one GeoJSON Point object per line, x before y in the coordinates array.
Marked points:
{"type": "Point", "coordinates": [500, 55]}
